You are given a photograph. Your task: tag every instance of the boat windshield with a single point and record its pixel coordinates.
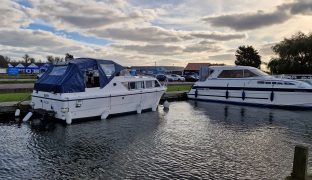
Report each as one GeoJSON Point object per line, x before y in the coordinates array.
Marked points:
{"type": "Point", "coordinates": [58, 70]}
{"type": "Point", "coordinates": [259, 72]}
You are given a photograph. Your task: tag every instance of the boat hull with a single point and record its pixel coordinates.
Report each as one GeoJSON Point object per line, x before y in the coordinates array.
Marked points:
{"type": "Point", "coordinates": [84, 106]}
{"type": "Point", "coordinates": [269, 98]}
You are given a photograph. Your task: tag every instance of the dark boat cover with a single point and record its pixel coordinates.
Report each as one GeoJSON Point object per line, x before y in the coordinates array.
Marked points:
{"type": "Point", "coordinates": [70, 77]}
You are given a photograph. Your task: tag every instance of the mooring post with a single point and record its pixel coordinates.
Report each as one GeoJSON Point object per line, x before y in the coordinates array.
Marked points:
{"type": "Point", "coordinates": [300, 163]}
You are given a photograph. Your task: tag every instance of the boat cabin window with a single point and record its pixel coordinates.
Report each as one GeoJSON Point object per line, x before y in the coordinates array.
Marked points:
{"type": "Point", "coordinates": [109, 69]}
{"type": "Point", "coordinates": [149, 84]}
{"type": "Point", "coordinates": [271, 82]}
{"type": "Point", "coordinates": [289, 83]}
{"type": "Point", "coordinates": [136, 85]}
{"type": "Point", "coordinates": [231, 74]}
{"type": "Point", "coordinates": [139, 85]}
{"type": "Point", "coordinates": [131, 85]}
{"type": "Point", "coordinates": [157, 84]}
{"type": "Point", "coordinates": [58, 70]}
{"type": "Point", "coordinates": [248, 73]}
{"type": "Point", "coordinates": [92, 78]}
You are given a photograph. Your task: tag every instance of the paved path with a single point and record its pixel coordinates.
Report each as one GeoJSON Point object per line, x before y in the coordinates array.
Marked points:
{"type": "Point", "coordinates": [14, 88]}
{"type": "Point", "coordinates": [17, 86]}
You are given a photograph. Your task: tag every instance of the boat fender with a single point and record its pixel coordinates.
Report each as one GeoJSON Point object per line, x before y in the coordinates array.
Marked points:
{"type": "Point", "coordinates": [139, 109]}
{"type": "Point", "coordinates": [104, 115]}
{"type": "Point", "coordinates": [27, 117]}
{"type": "Point", "coordinates": [154, 108]}
{"type": "Point", "coordinates": [196, 93]}
{"type": "Point", "coordinates": [166, 105]}
{"type": "Point", "coordinates": [17, 112]}
{"type": "Point", "coordinates": [243, 95]}
{"type": "Point", "coordinates": [68, 118]}
{"type": "Point", "coordinates": [227, 94]}
{"type": "Point", "coordinates": [272, 96]}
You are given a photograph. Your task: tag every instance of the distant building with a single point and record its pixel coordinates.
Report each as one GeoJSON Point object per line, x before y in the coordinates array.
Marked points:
{"type": "Point", "coordinates": [21, 67]}
{"type": "Point", "coordinates": [192, 68]}
{"type": "Point", "coordinates": [158, 69]}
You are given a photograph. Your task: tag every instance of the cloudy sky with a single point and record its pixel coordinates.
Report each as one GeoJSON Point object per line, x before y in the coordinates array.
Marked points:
{"type": "Point", "coordinates": [142, 32]}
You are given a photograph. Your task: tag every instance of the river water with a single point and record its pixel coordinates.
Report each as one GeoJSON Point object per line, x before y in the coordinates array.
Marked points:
{"type": "Point", "coordinates": [193, 140]}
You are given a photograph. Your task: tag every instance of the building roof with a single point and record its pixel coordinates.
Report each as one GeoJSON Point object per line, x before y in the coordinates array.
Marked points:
{"type": "Point", "coordinates": [166, 68]}
{"type": "Point", "coordinates": [197, 66]}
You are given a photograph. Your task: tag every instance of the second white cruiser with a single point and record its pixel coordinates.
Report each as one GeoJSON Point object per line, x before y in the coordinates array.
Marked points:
{"type": "Point", "coordinates": [251, 86]}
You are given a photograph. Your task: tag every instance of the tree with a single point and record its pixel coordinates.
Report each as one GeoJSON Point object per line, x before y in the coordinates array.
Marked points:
{"type": "Point", "coordinates": [54, 60]}
{"type": "Point", "coordinates": [32, 60]}
{"type": "Point", "coordinates": [4, 61]}
{"type": "Point", "coordinates": [7, 59]}
{"type": "Point", "coordinates": [26, 58]}
{"type": "Point", "coordinates": [247, 56]}
{"type": "Point", "coordinates": [294, 55]}
{"type": "Point", "coordinates": [50, 59]}
{"type": "Point", "coordinates": [68, 57]}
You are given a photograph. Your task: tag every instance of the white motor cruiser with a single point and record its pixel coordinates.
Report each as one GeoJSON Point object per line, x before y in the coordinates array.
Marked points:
{"type": "Point", "coordinates": [250, 86]}
{"type": "Point", "coordinates": [87, 87]}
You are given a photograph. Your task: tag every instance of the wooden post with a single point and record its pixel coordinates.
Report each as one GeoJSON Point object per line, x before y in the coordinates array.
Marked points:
{"type": "Point", "coordinates": [300, 164]}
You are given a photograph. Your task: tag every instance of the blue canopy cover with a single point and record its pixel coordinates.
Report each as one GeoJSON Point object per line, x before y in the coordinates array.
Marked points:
{"type": "Point", "coordinates": [70, 77]}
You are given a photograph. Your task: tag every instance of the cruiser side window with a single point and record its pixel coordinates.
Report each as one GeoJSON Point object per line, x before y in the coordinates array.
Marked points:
{"type": "Point", "coordinates": [131, 85]}
{"type": "Point", "coordinates": [139, 85]}
{"type": "Point", "coordinates": [157, 84]}
{"type": "Point", "coordinates": [149, 84]}
{"type": "Point", "coordinates": [231, 74]}
{"type": "Point", "coordinates": [248, 73]}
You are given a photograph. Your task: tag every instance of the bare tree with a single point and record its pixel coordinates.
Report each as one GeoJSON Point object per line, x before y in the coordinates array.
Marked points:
{"type": "Point", "coordinates": [54, 60]}
{"type": "Point", "coordinates": [68, 57]}
{"type": "Point", "coordinates": [26, 58]}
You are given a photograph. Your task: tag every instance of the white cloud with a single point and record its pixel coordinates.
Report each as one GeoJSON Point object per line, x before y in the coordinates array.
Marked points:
{"type": "Point", "coordinates": [143, 32]}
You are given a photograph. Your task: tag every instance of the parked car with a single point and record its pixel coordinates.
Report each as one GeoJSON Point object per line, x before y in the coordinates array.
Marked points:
{"type": "Point", "coordinates": [170, 77]}
{"type": "Point", "coordinates": [161, 77]}
{"type": "Point", "coordinates": [191, 78]}
{"type": "Point", "coordinates": [178, 77]}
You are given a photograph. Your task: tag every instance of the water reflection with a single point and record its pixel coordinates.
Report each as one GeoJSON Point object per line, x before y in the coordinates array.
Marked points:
{"type": "Point", "coordinates": [192, 140]}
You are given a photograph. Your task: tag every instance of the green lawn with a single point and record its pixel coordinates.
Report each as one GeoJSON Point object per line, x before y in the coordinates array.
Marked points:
{"type": "Point", "coordinates": [182, 87]}
{"type": "Point", "coordinates": [20, 76]}
{"type": "Point", "coordinates": [7, 97]}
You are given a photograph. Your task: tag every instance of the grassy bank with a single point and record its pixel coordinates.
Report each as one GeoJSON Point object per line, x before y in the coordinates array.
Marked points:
{"type": "Point", "coordinates": [8, 97]}
{"type": "Point", "coordinates": [20, 76]}
{"type": "Point", "coordinates": [180, 87]}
